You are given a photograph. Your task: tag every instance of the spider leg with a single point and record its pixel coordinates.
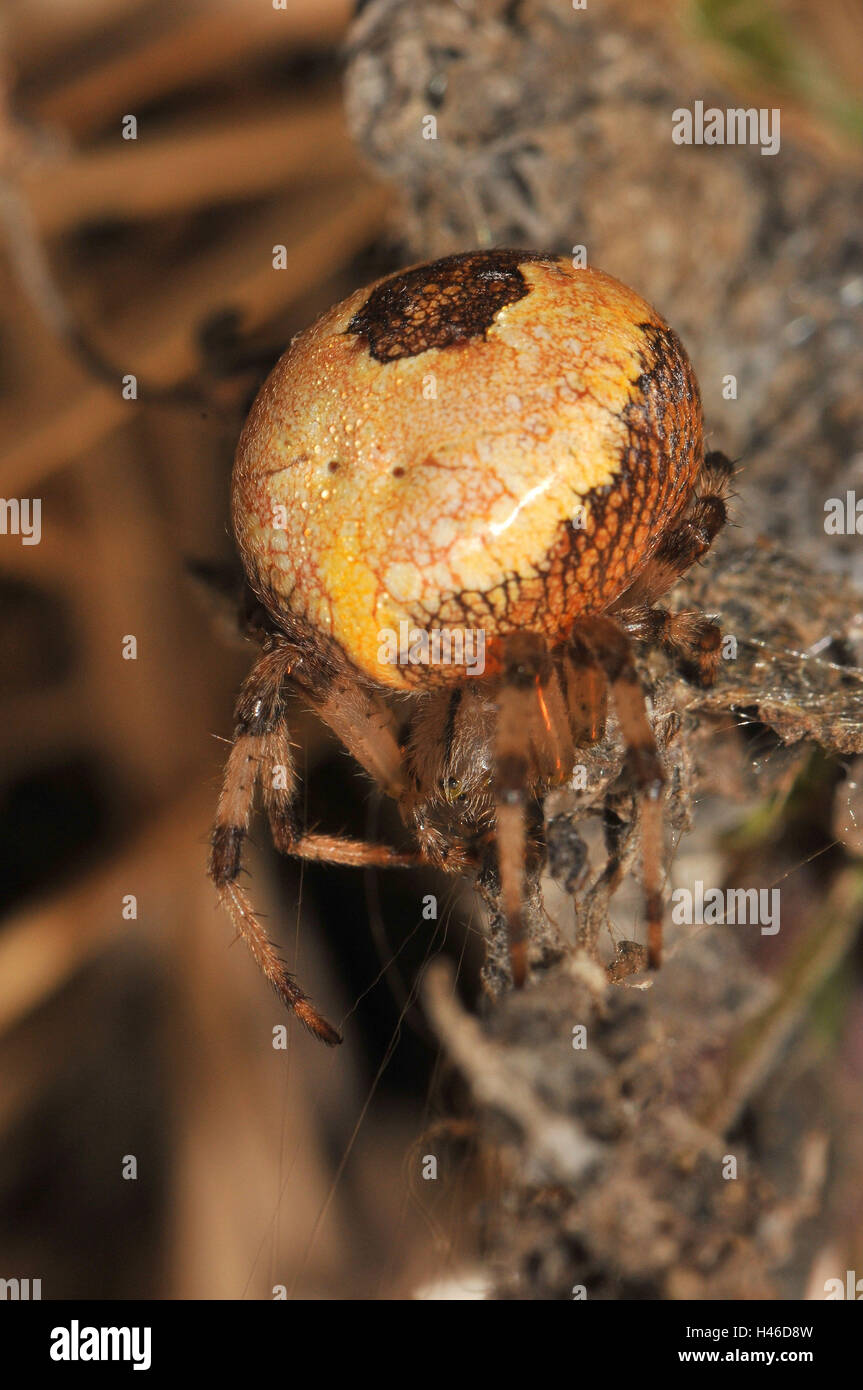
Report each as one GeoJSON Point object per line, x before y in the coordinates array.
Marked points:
{"type": "Point", "coordinates": [692, 638]}
{"type": "Point", "coordinates": [279, 784]}
{"type": "Point", "coordinates": [261, 752]}
{"type": "Point", "coordinates": [532, 743]}
{"type": "Point", "coordinates": [259, 711]}
{"type": "Point", "coordinates": [586, 694]}
{"type": "Point", "coordinates": [364, 724]}
{"type": "Point", "coordinates": [556, 727]}
{"type": "Point", "coordinates": [611, 648]}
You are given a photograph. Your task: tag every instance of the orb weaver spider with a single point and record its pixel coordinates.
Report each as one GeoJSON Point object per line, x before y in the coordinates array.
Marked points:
{"type": "Point", "coordinates": [494, 442]}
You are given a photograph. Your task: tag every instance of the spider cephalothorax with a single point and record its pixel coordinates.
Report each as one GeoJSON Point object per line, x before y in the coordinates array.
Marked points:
{"type": "Point", "coordinates": [469, 482]}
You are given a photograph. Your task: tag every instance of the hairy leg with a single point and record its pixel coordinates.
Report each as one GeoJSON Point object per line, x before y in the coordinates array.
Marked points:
{"type": "Point", "coordinates": [611, 649]}
{"type": "Point", "coordinates": [259, 713]}
{"type": "Point", "coordinates": [586, 692]}
{"type": "Point", "coordinates": [364, 724]}
{"type": "Point", "coordinates": [692, 639]}
{"type": "Point", "coordinates": [447, 755]}
{"type": "Point", "coordinates": [261, 752]}
{"type": "Point", "coordinates": [532, 744]}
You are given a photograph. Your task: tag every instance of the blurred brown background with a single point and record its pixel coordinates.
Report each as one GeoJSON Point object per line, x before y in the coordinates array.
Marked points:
{"type": "Point", "coordinates": [151, 1037]}
{"type": "Point", "coordinates": [153, 257]}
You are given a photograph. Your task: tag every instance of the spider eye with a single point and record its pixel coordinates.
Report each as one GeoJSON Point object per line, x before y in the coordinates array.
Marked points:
{"type": "Point", "coordinates": [453, 790]}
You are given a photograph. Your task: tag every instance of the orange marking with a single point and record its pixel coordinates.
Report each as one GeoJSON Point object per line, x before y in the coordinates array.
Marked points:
{"type": "Point", "coordinates": [546, 718]}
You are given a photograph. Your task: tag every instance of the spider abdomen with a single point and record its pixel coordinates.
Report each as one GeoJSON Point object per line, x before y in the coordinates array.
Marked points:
{"type": "Point", "coordinates": [492, 442]}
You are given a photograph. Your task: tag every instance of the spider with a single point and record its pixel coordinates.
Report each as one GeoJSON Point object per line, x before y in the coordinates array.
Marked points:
{"type": "Point", "coordinates": [493, 451]}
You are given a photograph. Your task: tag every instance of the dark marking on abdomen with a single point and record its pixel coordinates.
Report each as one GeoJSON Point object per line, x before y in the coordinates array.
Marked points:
{"type": "Point", "coordinates": [441, 304]}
